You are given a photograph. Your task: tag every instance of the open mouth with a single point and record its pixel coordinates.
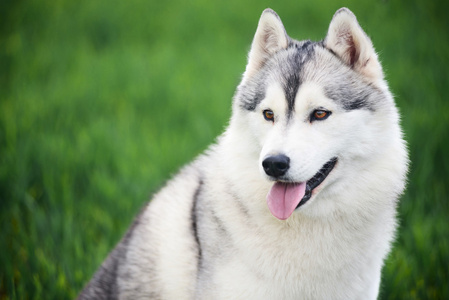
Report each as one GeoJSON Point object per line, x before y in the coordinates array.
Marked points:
{"type": "Point", "coordinates": [285, 197]}
{"type": "Point", "coordinates": [316, 180]}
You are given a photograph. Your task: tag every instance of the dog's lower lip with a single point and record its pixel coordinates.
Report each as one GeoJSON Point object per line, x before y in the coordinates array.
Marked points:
{"type": "Point", "coordinates": [316, 180]}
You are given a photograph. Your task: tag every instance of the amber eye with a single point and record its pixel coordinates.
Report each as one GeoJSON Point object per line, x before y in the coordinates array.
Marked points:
{"type": "Point", "coordinates": [319, 115]}
{"type": "Point", "coordinates": [268, 115]}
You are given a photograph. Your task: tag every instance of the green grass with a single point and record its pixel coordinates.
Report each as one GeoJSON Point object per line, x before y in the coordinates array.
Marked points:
{"type": "Point", "coordinates": [101, 101]}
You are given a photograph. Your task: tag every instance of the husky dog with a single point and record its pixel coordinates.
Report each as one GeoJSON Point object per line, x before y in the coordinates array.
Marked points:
{"type": "Point", "coordinates": [296, 200]}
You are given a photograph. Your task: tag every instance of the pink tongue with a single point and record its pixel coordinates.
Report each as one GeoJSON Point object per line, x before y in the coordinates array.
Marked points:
{"type": "Point", "coordinates": [283, 198]}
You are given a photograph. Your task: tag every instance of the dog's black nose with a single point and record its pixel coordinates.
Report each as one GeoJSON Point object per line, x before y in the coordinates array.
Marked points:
{"type": "Point", "coordinates": [276, 165]}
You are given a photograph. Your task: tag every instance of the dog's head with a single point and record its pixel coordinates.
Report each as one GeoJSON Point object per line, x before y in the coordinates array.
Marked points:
{"type": "Point", "coordinates": [316, 110]}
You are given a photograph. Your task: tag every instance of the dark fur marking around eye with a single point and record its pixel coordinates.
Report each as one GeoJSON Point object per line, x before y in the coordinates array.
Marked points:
{"type": "Point", "coordinates": [351, 97]}
{"type": "Point", "coordinates": [253, 92]}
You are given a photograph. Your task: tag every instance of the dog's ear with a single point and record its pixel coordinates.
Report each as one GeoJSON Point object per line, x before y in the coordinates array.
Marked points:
{"type": "Point", "coordinates": [348, 41]}
{"type": "Point", "coordinates": [270, 37]}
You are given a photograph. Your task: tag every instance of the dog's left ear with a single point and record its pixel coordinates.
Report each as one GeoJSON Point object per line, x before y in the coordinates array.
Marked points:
{"type": "Point", "coordinates": [270, 37]}
{"type": "Point", "coordinates": [348, 41]}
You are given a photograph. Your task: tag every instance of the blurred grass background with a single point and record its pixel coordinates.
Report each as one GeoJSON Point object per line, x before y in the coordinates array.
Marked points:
{"type": "Point", "coordinates": [101, 101]}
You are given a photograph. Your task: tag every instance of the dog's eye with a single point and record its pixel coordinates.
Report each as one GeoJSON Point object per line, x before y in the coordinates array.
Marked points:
{"type": "Point", "coordinates": [268, 115]}
{"type": "Point", "coordinates": [319, 115]}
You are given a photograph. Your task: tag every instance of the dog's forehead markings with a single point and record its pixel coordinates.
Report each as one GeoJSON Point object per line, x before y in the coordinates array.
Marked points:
{"type": "Point", "coordinates": [290, 67]}
{"type": "Point", "coordinates": [290, 70]}
{"type": "Point", "coordinates": [284, 67]}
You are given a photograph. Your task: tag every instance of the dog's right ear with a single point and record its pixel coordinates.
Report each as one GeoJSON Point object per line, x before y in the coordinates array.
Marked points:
{"type": "Point", "coordinates": [270, 37]}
